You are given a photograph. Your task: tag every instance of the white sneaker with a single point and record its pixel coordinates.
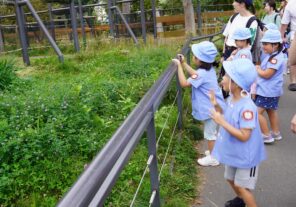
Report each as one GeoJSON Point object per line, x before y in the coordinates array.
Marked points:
{"type": "Point", "coordinates": [208, 160]}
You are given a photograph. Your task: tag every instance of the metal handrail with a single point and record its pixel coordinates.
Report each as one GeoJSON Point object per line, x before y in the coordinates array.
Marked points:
{"type": "Point", "coordinates": [96, 182]}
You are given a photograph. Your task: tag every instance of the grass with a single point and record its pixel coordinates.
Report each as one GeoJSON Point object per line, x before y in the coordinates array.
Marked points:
{"type": "Point", "coordinates": [55, 117]}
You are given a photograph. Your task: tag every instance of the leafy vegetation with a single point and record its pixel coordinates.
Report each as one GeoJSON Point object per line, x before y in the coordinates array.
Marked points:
{"type": "Point", "coordinates": [7, 74]}
{"type": "Point", "coordinates": [56, 117]}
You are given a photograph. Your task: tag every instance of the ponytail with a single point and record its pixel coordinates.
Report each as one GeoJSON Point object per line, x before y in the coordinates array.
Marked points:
{"type": "Point", "coordinates": [280, 48]}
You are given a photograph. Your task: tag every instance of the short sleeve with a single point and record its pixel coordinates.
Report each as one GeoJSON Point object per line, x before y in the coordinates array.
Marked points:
{"type": "Point", "coordinates": [195, 82]}
{"type": "Point", "coordinates": [286, 17]}
{"type": "Point", "coordinates": [226, 30]}
{"type": "Point", "coordinates": [275, 63]}
{"type": "Point", "coordinates": [244, 54]}
{"type": "Point", "coordinates": [248, 117]}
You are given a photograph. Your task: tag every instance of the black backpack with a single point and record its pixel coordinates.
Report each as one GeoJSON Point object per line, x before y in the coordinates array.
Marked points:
{"type": "Point", "coordinates": [256, 45]}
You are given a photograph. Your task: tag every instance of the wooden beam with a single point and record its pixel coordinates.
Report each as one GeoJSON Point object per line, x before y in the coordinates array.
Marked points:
{"type": "Point", "coordinates": [179, 19]}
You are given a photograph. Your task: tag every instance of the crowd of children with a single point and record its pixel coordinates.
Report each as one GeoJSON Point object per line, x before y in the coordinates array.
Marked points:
{"type": "Point", "coordinates": [239, 142]}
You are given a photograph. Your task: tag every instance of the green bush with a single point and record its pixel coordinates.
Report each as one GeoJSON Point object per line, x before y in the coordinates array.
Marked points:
{"type": "Point", "coordinates": [55, 119]}
{"type": "Point", "coordinates": [7, 74]}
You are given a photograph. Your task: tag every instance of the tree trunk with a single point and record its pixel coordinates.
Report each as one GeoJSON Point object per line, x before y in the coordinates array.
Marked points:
{"type": "Point", "coordinates": [189, 17]}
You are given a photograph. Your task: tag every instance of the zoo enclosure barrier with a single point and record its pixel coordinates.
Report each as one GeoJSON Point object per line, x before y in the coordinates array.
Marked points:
{"type": "Point", "coordinates": [67, 23]}
{"type": "Point", "coordinates": [96, 182]}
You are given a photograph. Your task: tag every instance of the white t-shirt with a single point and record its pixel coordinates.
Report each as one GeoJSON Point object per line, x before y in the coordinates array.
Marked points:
{"type": "Point", "coordinates": [238, 22]}
{"type": "Point", "coordinates": [290, 16]}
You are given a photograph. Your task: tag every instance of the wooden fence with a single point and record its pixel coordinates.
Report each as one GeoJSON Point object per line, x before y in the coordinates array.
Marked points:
{"type": "Point", "coordinates": [210, 23]}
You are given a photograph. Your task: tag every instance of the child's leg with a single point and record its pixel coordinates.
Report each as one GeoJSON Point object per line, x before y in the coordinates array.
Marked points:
{"type": "Point", "coordinates": [235, 188]}
{"type": "Point", "coordinates": [243, 193]}
{"type": "Point", "coordinates": [210, 134]}
{"type": "Point", "coordinates": [211, 144]}
{"type": "Point", "coordinates": [247, 196]}
{"type": "Point", "coordinates": [274, 120]}
{"type": "Point", "coordinates": [263, 122]}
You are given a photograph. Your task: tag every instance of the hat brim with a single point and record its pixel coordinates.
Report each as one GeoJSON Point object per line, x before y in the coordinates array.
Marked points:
{"type": "Point", "coordinates": [270, 41]}
{"type": "Point", "coordinates": [241, 38]}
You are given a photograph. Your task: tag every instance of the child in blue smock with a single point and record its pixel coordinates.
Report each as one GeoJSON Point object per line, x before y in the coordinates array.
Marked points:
{"type": "Point", "coordinates": [268, 26]}
{"type": "Point", "coordinates": [270, 84]}
{"type": "Point", "coordinates": [242, 37]}
{"type": "Point", "coordinates": [201, 82]}
{"type": "Point", "coordinates": [239, 144]}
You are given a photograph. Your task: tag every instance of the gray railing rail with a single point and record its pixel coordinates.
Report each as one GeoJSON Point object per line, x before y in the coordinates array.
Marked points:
{"type": "Point", "coordinates": [96, 182]}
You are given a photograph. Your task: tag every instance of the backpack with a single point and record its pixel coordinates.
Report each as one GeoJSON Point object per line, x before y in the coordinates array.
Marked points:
{"type": "Point", "coordinates": [275, 17]}
{"type": "Point", "coordinates": [256, 45]}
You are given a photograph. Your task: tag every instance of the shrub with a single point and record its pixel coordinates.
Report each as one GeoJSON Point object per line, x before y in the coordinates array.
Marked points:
{"type": "Point", "coordinates": [7, 74]}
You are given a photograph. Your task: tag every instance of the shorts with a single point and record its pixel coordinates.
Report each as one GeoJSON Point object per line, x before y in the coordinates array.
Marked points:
{"type": "Point", "coordinates": [245, 178]}
{"type": "Point", "coordinates": [267, 102]}
{"type": "Point", "coordinates": [210, 129]}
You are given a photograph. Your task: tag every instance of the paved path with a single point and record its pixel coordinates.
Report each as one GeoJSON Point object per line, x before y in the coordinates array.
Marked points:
{"type": "Point", "coordinates": [276, 186]}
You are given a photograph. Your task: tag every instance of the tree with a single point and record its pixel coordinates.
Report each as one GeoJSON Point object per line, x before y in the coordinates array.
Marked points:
{"type": "Point", "coordinates": [189, 17]}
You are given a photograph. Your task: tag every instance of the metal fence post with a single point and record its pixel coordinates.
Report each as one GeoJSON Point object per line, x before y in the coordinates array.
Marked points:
{"type": "Point", "coordinates": [52, 31]}
{"type": "Point", "coordinates": [24, 22]}
{"type": "Point", "coordinates": [143, 21]}
{"type": "Point", "coordinates": [74, 25]}
{"type": "Point", "coordinates": [179, 103]}
{"type": "Point", "coordinates": [42, 26]}
{"type": "Point", "coordinates": [22, 33]}
{"type": "Point", "coordinates": [199, 20]}
{"type": "Point", "coordinates": [110, 18]}
{"type": "Point", "coordinates": [126, 24]}
{"type": "Point", "coordinates": [82, 23]}
{"type": "Point", "coordinates": [116, 20]}
{"type": "Point", "coordinates": [188, 56]}
{"type": "Point", "coordinates": [154, 18]}
{"type": "Point", "coordinates": [154, 181]}
{"type": "Point", "coordinates": [1, 39]}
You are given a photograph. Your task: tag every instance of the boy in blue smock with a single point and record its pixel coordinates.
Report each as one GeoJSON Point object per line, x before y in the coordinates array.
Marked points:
{"type": "Point", "coordinates": [242, 37]}
{"type": "Point", "coordinates": [270, 84]}
{"type": "Point", "coordinates": [201, 82]}
{"type": "Point", "coordinates": [239, 145]}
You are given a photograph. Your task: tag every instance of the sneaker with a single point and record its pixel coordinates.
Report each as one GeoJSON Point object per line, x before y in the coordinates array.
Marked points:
{"type": "Point", "coordinates": [208, 160]}
{"type": "Point", "coordinates": [268, 139]}
{"type": "Point", "coordinates": [292, 87]}
{"type": "Point", "coordinates": [277, 136]}
{"type": "Point", "coordinates": [236, 202]}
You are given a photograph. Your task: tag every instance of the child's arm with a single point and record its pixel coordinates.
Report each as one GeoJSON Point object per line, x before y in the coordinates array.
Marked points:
{"type": "Point", "coordinates": [182, 79]}
{"type": "Point", "coordinates": [214, 101]}
{"type": "Point", "coordinates": [187, 67]}
{"type": "Point", "coordinates": [265, 73]}
{"type": "Point", "coordinates": [241, 134]}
